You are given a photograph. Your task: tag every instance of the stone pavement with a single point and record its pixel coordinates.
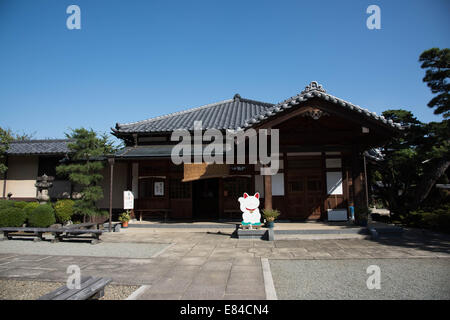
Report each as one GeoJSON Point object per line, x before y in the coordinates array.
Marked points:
{"type": "Point", "coordinates": [208, 265]}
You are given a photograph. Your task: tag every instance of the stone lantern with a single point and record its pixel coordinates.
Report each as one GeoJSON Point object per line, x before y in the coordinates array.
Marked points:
{"type": "Point", "coordinates": [43, 184]}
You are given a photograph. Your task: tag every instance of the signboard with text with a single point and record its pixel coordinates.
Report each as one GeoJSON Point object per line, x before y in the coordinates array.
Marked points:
{"type": "Point", "coordinates": [128, 200]}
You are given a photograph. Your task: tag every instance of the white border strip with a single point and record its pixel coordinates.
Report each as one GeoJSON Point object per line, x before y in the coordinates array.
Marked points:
{"type": "Point", "coordinates": [271, 294]}
{"type": "Point", "coordinates": [138, 292]}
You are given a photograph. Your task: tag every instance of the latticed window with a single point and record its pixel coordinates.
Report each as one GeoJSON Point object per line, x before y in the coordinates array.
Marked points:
{"type": "Point", "coordinates": [179, 190]}
{"type": "Point", "coordinates": [235, 187]}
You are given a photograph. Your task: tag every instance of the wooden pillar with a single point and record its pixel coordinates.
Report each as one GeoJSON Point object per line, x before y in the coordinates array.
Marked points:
{"type": "Point", "coordinates": [268, 192]}
{"type": "Point", "coordinates": [358, 192]}
{"type": "Point", "coordinates": [111, 166]}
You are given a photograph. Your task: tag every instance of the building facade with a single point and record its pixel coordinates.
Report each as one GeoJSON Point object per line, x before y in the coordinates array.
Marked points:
{"type": "Point", "coordinates": [321, 143]}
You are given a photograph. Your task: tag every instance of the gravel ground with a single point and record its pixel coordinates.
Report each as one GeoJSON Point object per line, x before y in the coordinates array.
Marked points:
{"type": "Point", "coordinates": [405, 279]}
{"type": "Point", "coordinates": [103, 249]}
{"type": "Point", "coordinates": [31, 290]}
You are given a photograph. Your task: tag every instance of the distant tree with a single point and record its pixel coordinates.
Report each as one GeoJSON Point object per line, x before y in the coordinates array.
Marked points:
{"type": "Point", "coordinates": [436, 62]}
{"type": "Point", "coordinates": [84, 168]}
{"type": "Point", "coordinates": [399, 171]}
{"type": "Point", "coordinates": [436, 148]}
{"type": "Point", "coordinates": [5, 139]}
{"type": "Point", "coordinates": [413, 162]}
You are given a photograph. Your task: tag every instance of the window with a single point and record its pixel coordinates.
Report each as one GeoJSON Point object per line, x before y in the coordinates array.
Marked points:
{"type": "Point", "coordinates": [151, 187]}
{"type": "Point", "coordinates": [180, 190]}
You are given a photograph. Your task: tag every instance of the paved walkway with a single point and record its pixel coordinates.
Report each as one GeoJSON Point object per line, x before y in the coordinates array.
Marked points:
{"type": "Point", "coordinates": [203, 265]}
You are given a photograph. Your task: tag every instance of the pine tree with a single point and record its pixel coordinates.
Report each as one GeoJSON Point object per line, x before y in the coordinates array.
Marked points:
{"type": "Point", "coordinates": [84, 166]}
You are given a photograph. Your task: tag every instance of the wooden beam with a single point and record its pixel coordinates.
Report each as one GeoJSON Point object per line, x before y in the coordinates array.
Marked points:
{"type": "Point", "coordinates": [111, 163]}
{"type": "Point", "coordinates": [357, 178]}
{"type": "Point", "coordinates": [268, 192]}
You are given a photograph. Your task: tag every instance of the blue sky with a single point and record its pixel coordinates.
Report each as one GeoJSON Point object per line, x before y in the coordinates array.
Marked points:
{"type": "Point", "coordinates": [133, 60]}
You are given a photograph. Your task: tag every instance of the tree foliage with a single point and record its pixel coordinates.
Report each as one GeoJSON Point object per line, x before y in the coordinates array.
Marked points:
{"type": "Point", "coordinates": [5, 139]}
{"type": "Point", "coordinates": [419, 157]}
{"type": "Point", "coordinates": [84, 168]}
{"type": "Point", "coordinates": [437, 64]}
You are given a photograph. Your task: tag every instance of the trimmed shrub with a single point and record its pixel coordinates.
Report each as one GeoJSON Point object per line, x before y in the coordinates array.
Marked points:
{"type": "Point", "coordinates": [12, 217]}
{"type": "Point", "coordinates": [436, 219]}
{"type": "Point", "coordinates": [30, 207]}
{"type": "Point", "coordinates": [42, 216]}
{"type": "Point", "coordinates": [6, 204]}
{"type": "Point", "coordinates": [20, 204]}
{"type": "Point", "coordinates": [64, 210]}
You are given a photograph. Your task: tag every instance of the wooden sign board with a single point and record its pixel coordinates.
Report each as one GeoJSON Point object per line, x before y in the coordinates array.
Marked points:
{"type": "Point", "coordinates": [128, 200]}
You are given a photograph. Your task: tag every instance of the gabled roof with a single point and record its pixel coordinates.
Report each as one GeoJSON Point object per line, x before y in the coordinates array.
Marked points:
{"type": "Point", "coordinates": [226, 114]}
{"type": "Point", "coordinates": [239, 113]}
{"type": "Point", "coordinates": [39, 147]}
{"type": "Point", "coordinates": [316, 90]}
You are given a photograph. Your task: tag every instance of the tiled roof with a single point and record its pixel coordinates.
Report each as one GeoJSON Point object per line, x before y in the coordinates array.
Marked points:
{"type": "Point", "coordinates": [315, 90]}
{"type": "Point", "coordinates": [240, 113]}
{"type": "Point", "coordinates": [56, 147]}
{"type": "Point", "coordinates": [227, 114]}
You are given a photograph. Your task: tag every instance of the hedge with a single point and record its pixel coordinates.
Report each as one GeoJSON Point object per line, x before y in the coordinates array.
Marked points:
{"type": "Point", "coordinates": [30, 207]}
{"type": "Point", "coordinates": [6, 204]}
{"type": "Point", "coordinates": [42, 216]}
{"type": "Point", "coordinates": [20, 204]}
{"type": "Point", "coordinates": [64, 210]}
{"type": "Point", "coordinates": [12, 217]}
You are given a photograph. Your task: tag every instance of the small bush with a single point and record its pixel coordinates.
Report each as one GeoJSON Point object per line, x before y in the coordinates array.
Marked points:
{"type": "Point", "coordinates": [20, 204]}
{"type": "Point", "coordinates": [12, 217]}
{"type": "Point", "coordinates": [271, 215]}
{"type": "Point", "coordinates": [42, 216]}
{"type": "Point", "coordinates": [437, 219]}
{"type": "Point", "coordinates": [30, 207]}
{"type": "Point", "coordinates": [64, 210]}
{"type": "Point", "coordinates": [6, 204]}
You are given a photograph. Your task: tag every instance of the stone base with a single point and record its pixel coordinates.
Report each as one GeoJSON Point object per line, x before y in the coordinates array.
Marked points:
{"type": "Point", "coordinates": [251, 234]}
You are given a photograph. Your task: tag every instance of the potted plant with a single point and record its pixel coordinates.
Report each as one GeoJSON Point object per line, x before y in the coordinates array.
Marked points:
{"type": "Point", "coordinates": [124, 218]}
{"type": "Point", "coordinates": [362, 216]}
{"type": "Point", "coordinates": [270, 215]}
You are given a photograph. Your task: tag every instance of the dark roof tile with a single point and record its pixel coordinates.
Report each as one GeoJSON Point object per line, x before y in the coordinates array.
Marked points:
{"type": "Point", "coordinates": [56, 147]}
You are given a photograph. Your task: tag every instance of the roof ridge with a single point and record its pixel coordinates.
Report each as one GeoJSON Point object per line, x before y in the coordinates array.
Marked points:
{"type": "Point", "coordinates": [194, 109]}
{"type": "Point", "coordinates": [257, 102]}
{"type": "Point", "coordinates": [41, 140]}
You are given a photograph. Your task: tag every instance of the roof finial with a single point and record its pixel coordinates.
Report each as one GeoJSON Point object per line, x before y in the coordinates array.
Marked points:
{"type": "Point", "coordinates": [237, 97]}
{"type": "Point", "coordinates": [314, 85]}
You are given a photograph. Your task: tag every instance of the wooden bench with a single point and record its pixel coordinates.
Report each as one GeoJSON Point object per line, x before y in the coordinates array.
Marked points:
{"type": "Point", "coordinates": [75, 234]}
{"type": "Point", "coordinates": [59, 233]}
{"type": "Point", "coordinates": [37, 233]}
{"type": "Point", "coordinates": [162, 212]}
{"type": "Point", "coordinates": [86, 225]}
{"type": "Point", "coordinates": [90, 288]}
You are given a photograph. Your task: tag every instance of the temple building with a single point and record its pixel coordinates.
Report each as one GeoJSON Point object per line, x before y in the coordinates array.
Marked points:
{"type": "Point", "coordinates": [322, 140]}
